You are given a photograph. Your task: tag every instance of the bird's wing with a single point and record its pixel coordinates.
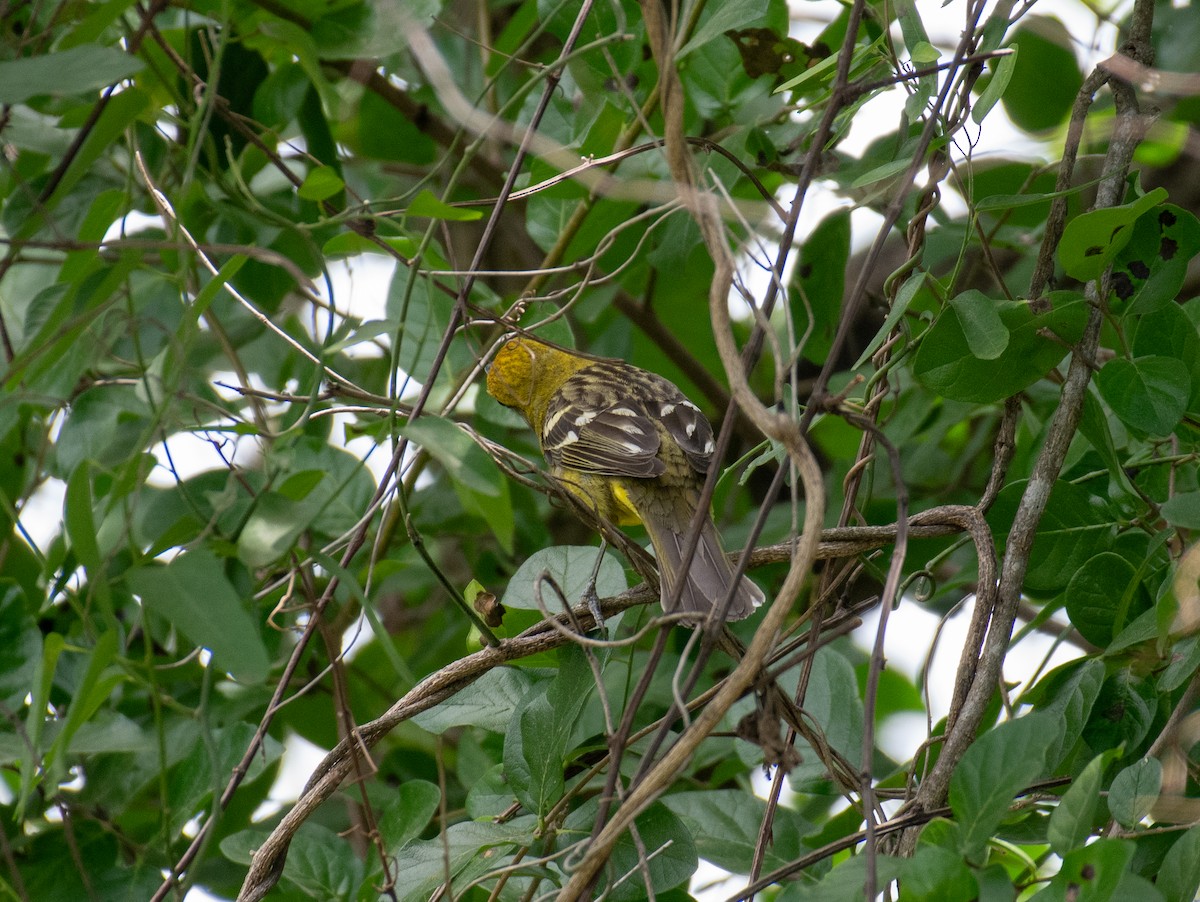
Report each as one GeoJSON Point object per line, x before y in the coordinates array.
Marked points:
{"type": "Point", "coordinates": [612, 420]}
{"type": "Point", "coordinates": [690, 429]}
{"type": "Point", "coordinates": [617, 440]}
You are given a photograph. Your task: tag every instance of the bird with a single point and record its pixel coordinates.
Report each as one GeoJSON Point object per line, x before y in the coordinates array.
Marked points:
{"type": "Point", "coordinates": [633, 449]}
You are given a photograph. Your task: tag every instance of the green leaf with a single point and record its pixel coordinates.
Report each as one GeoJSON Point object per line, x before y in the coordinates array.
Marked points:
{"type": "Point", "coordinates": [1183, 510]}
{"type": "Point", "coordinates": [298, 486]}
{"type": "Point", "coordinates": [496, 510]}
{"type": "Point", "coordinates": [1149, 272]}
{"type": "Point", "coordinates": [924, 52]}
{"type": "Point", "coordinates": [89, 866]}
{"type": "Point", "coordinates": [665, 848]}
{"type": "Point", "coordinates": [1074, 528]}
{"type": "Point", "coordinates": [725, 823]}
{"type": "Point", "coordinates": [985, 332]}
{"type": "Point", "coordinates": [1095, 426]}
{"type": "Point", "coordinates": [1146, 627]}
{"type": "Point", "coordinates": [1179, 876]}
{"type": "Point", "coordinates": [833, 700]}
{"type": "Point", "coordinates": [272, 530]}
{"type": "Point", "coordinates": [321, 183]}
{"type": "Point", "coordinates": [80, 523]}
{"type": "Point", "coordinates": [490, 795]}
{"type": "Point", "coordinates": [818, 73]}
{"type": "Point", "coordinates": [994, 769]}
{"type": "Point", "coordinates": [20, 647]}
{"type": "Point", "coordinates": [1123, 712]}
{"type": "Point", "coordinates": [1070, 703]}
{"type": "Point", "coordinates": [946, 364]}
{"type": "Point", "coordinates": [845, 883]}
{"type": "Point", "coordinates": [489, 702]}
{"type": "Point", "coordinates": [35, 718]}
{"type": "Point", "coordinates": [996, 87]}
{"type": "Point", "coordinates": [427, 205]}
{"type": "Point", "coordinates": [1074, 818]}
{"type": "Point", "coordinates": [322, 865]}
{"type": "Point", "coordinates": [419, 314]}
{"type": "Point", "coordinates": [1149, 394]}
{"type": "Point", "coordinates": [75, 71]}
{"type": "Point", "coordinates": [205, 766]}
{"type": "Point", "coordinates": [904, 297]}
{"type": "Point", "coordinates": [994, 884]}
{"type": "Point", "coordinates": [1169, 332]}
{"type": "Point", "coordinates": [193, 595]}
{"type": "Point", "coordinates": [213, 287]}
{"type": "Point", "coordinates": [351, 244]}
{"type": "Point", "coordinates": [1090, 874]}
{"type": "Point", "coordinates": [571, 566]}
{"type": "Point", "coordinates": [1045, 78]}
{"type": "Point", "coordinates": [1104, 596]}
{"type": "Point", "coordinates": [999, 177]}
{"type": "Point", "coordinates": [407, 813]}
{"type": "Point", "coordinates": [1185, 661]}
{"type": "Point", "coordinates": [105, 733]}
{"type": "Point", "coordinates": [106, 425]}
{"type": "Point", "coordinates": [882, 172]}
{"type": "Point", "coordinates": [819, 283]}
{"type": "Point", "coordinates": [1134, 791]}
{"type": "Point", "coordinates": [386, 133]}
{"type": "Point", "coordinates": [723, 17]}
{"type": "Point", "coordinates": [122, 110]}
{"type": "Point", "coordinates": [935, 874]}
{"type": "Point", "coordinates": [327, 507]}
{"type": "Point", "coordinates": [1092, 240]}
{"type": "Point", "coordinates": [535, 743]}
{"type": "Point", "coordinates": [663, 844]}
{"type": "Point", "coordinates": [352, 30]}
{"type": "Point", "coordinates": [465, 850]}
{"type": "Point", "coordinates": [95, 687]}
{"type": "Point", "coordinates": [464, 461]}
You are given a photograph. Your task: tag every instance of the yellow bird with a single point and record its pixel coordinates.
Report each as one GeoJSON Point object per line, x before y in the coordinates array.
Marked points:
{"type": "Point", "coordinates": [631, 447]}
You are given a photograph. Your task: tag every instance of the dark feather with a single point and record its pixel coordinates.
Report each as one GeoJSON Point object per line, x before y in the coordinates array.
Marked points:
{"type": "Point", "coordinates": [690, 428]}
{"type": "Point", "coordinates": [613, 444]}
{"type": "Point", "coordinates": [587, 429]}
{"type": "Point", "coordinates": [706, 582]}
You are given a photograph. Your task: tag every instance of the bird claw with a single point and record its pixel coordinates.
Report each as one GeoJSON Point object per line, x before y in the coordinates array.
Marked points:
{"type": "Point", "coordinates": [592, 600]}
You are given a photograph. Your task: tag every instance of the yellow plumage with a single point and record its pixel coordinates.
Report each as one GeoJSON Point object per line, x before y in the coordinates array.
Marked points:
{"type": "Point", "coordinates": [630, 446]}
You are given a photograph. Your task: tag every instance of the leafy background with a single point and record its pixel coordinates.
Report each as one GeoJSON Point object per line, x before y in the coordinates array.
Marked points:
{"type": "Point", "coordinates": [274, 508]}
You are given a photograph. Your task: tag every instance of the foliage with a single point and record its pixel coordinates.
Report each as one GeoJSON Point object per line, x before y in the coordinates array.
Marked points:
{"type": "Point", "coordinates": [243, 504]}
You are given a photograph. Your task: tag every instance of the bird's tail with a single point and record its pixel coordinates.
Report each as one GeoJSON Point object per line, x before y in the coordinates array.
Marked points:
{"type": "Point", "coordinates": [706, 582]}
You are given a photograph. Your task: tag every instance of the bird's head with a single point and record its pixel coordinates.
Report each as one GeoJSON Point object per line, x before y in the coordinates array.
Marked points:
{"type": "Point", "coordinates": [525, 374]}
{"type": "Point", "coordinates": [511, 376]}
